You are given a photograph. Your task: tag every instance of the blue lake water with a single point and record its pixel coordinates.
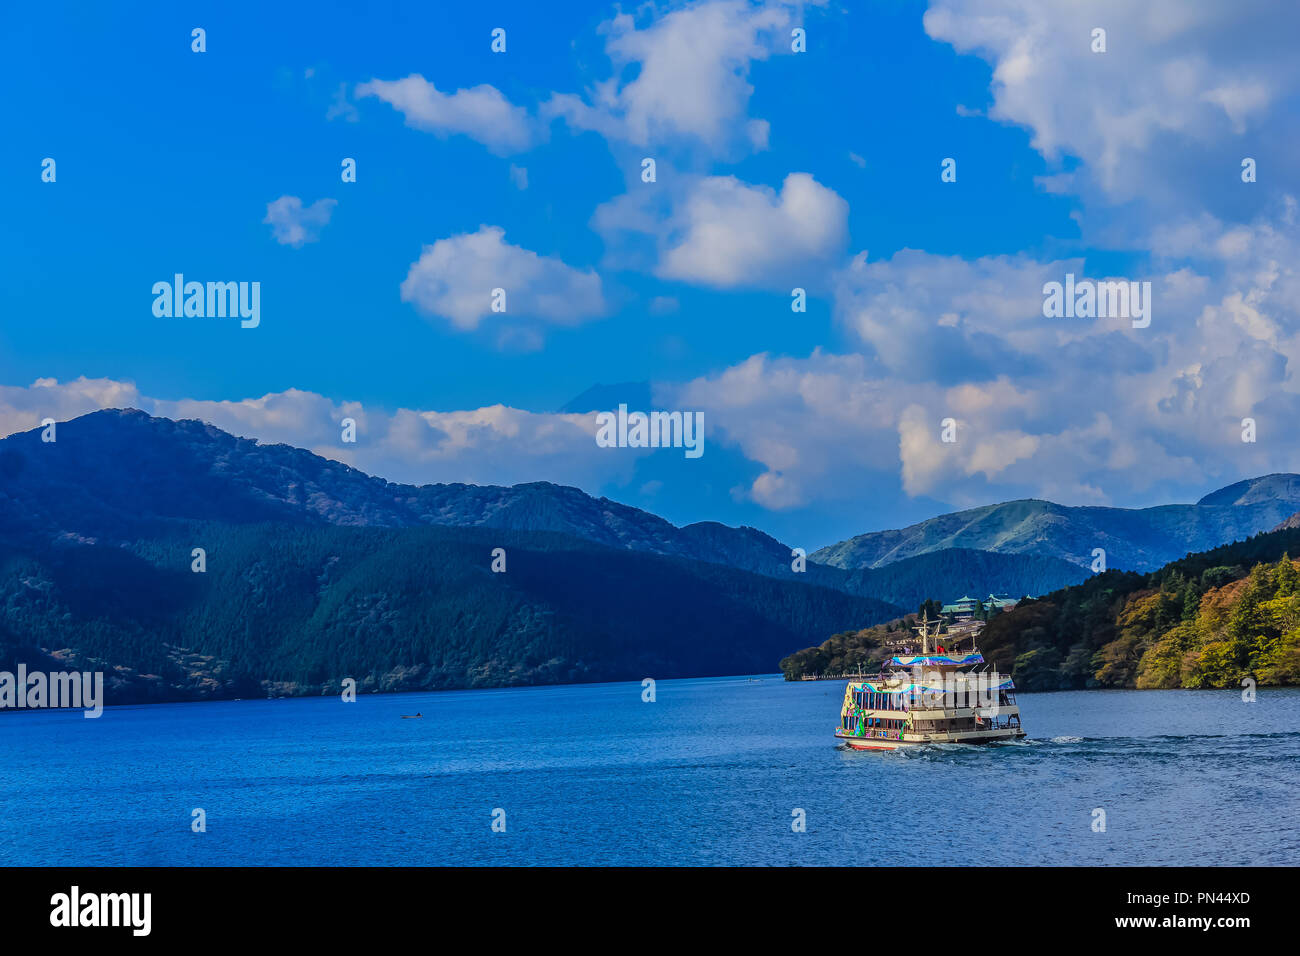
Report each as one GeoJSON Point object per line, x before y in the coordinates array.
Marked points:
{"type": "Point", "coordinates": [707, 774]}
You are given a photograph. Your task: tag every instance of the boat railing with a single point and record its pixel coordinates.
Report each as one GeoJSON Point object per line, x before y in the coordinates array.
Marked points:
{"type": "Point", "coordinates": [873, 734]}
{"type": "Point", "coordinates": [940, 701]}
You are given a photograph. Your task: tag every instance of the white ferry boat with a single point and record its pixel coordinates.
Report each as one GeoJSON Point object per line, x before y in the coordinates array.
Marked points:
{"type": "Point", "coordinates": [941, 695]}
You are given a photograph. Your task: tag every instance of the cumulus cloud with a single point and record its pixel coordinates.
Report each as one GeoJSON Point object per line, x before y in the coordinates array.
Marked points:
{"type": "Point", "coordinates": [721, 232]}
{"type": "Point", "coordinates": [1150, 115]}
{"type": "Point", "coordinates": [454, 279]}
{"type": "Point", "coordinates": [816, 425]}
{"type": "Point", "coordinates": [926, 459]}
{"type": "Point", "coordinates": [482, 112]}
{"type": "Point", "coordinates": [293, 224]}
{"type": "Point", "coordinates": [946, 318]}
{"type": "Point", "coordinates": [682, 77]}
{"type": "Point", "coordinates": [679, 80]}
{"type": "Point", "coordinates": [1077, 411]}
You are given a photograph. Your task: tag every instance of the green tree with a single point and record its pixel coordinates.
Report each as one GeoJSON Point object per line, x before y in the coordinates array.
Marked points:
{"type": "Point", "coordinates": [1287, 578]}
{"type": "Point", "coordinates": [930, 608]}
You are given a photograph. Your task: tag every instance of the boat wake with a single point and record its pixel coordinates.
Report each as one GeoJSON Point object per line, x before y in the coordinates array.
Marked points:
{"type": "Point", "coordinates": [1190, 746]}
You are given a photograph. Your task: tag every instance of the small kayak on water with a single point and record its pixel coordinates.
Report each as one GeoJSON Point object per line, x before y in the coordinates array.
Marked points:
{"type": "Point", "coordinates": [411, 716]}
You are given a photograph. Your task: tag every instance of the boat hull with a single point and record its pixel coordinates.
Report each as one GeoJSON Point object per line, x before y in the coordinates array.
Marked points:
{"type": "Point", "coordinates": [861, 743]}
{"type": "Point", "coordinates": [926, 740]}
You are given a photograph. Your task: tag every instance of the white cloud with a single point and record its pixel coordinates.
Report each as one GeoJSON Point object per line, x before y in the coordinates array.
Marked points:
{"type": "Point", "coordinates": [1077, 411]}
{"type": "Point", "coordinates": [293, 224]}
{"type": "Point", "coordinates": [454, 279]}
{"type": "Point", "coordinates": [811, 423]}
{"type": "Point", "coordinates": [1151, 115]}
{"type": "Point", "coordinates": [679, 79]}
{"type": "Point", "coordinates": [921, 454]}
{"type": "Point", "coordinates": [719, 231]}
{"type": "Point", "coordinates": [691, 77]}
{"type": "Point", "coordinates": [24, 408]}
{"type": "Point", "coordinates": [946, 318]}
{"type": "Point", "coordinates": [482, 113]}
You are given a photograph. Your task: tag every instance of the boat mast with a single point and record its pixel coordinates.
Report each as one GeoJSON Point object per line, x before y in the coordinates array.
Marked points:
{"type": "Point", "coordinates": [923, 627]}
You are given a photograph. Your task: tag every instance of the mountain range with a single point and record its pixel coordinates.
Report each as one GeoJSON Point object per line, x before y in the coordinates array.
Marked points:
{"type": "Point", "coordinates": [113, 472]}
{"type": "Point", "coordinates": [315, 571]}
{"type": "Point", "coordinates": [1135, 539]}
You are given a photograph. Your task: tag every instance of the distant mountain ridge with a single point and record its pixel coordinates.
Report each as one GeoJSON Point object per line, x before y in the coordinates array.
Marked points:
{"type": "Point", "coordinates": [606, 398]}
{"type": "Point", "coordinates": [111, 470]}
{"type": "Point", "coordinates": [1133, 538]}
{"type": "Point", "coordinates": [121, 466]}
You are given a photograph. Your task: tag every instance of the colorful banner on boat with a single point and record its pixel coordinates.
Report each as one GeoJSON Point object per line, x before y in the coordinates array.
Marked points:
{"type": "Point", "coordinates": [938, 660]}
{"type": "Point", "coordinates": [916, 689]}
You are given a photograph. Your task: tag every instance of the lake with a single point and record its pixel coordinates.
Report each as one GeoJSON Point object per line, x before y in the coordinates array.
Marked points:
{"type": "Point", "coordinates": [709, 773]}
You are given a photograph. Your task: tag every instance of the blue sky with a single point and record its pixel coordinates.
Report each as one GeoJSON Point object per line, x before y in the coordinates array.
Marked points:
{"type": "Point", "coordinates": [922, 294]}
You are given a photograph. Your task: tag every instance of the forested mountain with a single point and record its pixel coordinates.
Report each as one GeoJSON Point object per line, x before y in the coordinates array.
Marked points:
{"type": "Point", "coordinates": [112, 471]}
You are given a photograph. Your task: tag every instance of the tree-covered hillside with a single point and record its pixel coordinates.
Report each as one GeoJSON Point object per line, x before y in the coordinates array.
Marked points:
{"type": "Point", "coordinates": [1207, 620]}
{"type": "Point", "coordinates": [858, 651]}
{"type": "Point", "coordinates": [291, 609]}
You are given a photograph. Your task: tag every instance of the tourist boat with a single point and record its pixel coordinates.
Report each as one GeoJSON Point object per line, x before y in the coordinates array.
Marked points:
{"type": "Point", "coordinates": [942, 695]}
